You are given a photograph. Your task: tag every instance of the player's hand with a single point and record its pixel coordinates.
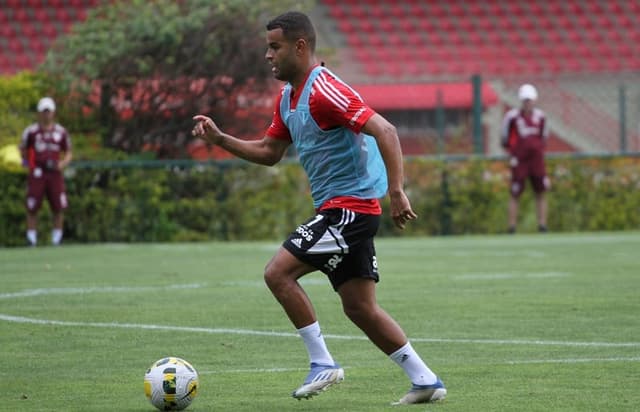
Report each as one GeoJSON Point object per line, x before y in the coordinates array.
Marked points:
{"type": "Point", "coordinates": [206, 129]}
{"type": "Point", "coordinates": [401, 211]}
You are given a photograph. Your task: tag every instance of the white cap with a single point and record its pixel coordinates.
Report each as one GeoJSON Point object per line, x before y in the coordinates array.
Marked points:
{"type": "Point", "coordinates": [46, 103]}
{"type": "Point", "coordinates": [527, 91]}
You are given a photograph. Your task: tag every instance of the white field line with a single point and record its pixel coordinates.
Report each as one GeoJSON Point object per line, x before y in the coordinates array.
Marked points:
{"type": "Point", "coordinates": [259, 370]}
{"type": "Point", "coordinates": [117, 325]}
{"type": "Point", "coordinates": [102, 289]}
{"type": "Point", "coordinates": [20, 319]}
{"type": "Point", "coordinates": [515, 362]}
{"type": "Point", "coordinates": [575, 360]}
{"type": "Point", "coordinates": [500, 276]}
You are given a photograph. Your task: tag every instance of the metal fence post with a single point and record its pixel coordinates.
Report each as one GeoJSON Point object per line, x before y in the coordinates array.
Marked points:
{"type": "Point", "coordinates": [622, 104]}
{"type": "Point", "coordinates": [476, 84]}
{"type": "Point", "coordinates": [440, 120]}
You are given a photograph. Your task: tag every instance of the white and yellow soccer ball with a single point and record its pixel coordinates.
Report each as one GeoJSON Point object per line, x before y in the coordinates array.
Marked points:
{"type": "Point", "coordinates": [171, 384]}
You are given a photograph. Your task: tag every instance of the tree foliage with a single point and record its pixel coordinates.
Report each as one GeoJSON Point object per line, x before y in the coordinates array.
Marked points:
{"type": "Point", "coordinates": [19, 95]}
{"type": "Point", "coordinates": [140, 69]}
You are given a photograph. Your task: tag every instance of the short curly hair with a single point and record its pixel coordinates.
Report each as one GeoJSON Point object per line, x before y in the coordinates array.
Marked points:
{"type": "Point", "coordinates": [295, 25]}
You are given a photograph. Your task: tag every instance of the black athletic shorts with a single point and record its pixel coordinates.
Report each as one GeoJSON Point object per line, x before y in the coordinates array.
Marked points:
{"type": "Point", "coordinates": [339, 243]}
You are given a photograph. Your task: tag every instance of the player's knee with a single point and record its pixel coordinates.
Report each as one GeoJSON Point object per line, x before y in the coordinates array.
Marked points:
{"type": "Point", "coordinates": [357, 310]}
{"type": "Point", "coordinates": [541, 184]}
{"type": "Point", "coordinates": [270, 276]}
{"type": "Point", "coordinates": [275, 278]}
{"type": "Point", "coordinates": [516, 189]}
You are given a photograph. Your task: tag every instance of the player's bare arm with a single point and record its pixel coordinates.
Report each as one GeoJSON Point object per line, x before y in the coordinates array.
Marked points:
{"type": "Point", "coordinates": [66, 159]}
{"type": "Point", "coordinates": [267, 151]}
{"type": "Point", "coordinates": [386, 136]}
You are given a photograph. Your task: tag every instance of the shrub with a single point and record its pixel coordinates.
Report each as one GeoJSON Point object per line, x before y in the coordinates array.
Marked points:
{"type": "Point", "coordinates": [241, 201]}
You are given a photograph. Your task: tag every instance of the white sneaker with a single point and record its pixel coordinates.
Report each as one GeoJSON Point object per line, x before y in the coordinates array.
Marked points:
{"type": "Point", "coordinates": [424, 394]}
{"type": "Point", "coordinates": [319, 379]}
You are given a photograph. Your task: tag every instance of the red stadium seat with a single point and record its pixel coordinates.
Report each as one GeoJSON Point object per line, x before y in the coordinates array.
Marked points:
{"type": "Point", "coordinates": [574, 7]}
{"type": "Point", "coordinates": [35, 4]}
{"type": "Point", "coordinates": [418, 11]}
{"type": "Point", "coordinates": [544, 24]}
{"type": "Point", "coordinates": [466, 24]}
{"type": "Point", "coordinates": [456, 10]}
{"type": "Point", "coordinates": [612, 36]}
{"type": "Point", "coordinates": [406, 26]}
{"type": "Point", "coordinates": [41, 15]}
{"type": "Point", "coordinates": [81, 14]}
{"type": "Point", "coordinates": [345, 26]}
{"type": "Point", "coordinates": [20, 15]}
{"type": "Point", "coordinates": [414, 39]}
{"type": "Point", "coordinates": [584, 22]}
{"type": "Point", "coordinates": [358, 11]}
{"type": "Point", "coordinates": [38, 47]}
{"type": "Point", "coordinates": [16, 47]}
{"type": "Point", "coordinates": [29, 30]}
{"type": "Point", "coordinates": [626, 22]}
{"type": "Point", "coordinates": [386, 26]}
{"type": "Point", "coordinates": [63, 15]}
{"type": "Point", "coordinates": [377, 11]}
{"type": "Point", "coordinates": [395, 40]}
{"type": "Point", "coordinates": [536, 9]}
{"type": "Point", "coordinates": [22, 62]}
{"type": "Point", "coordinates": [49, 30]}
{"type": "Point", "coordinates": [594, 8]}
{"type": "Point", "coordinates": [564, 22]}
{"type": "Point", "coordinates": [457, 37]}
{"type": "Point", "coordinates": [355, 41]}
{"type": "Point", "coordinates": [604, 22]}
{"type": "Point", "coordinates": [338, 13]}
{"type": "Point", "coordinates": [8, 32]}
{"type": "Point", "coordinates": [5, 64]}
{"type": "Point", "coordinates": [376, 40]}
{"type": "Point", "coordinates": [397, 11]}
{"type": "Point", "coordinates": [372, 69]}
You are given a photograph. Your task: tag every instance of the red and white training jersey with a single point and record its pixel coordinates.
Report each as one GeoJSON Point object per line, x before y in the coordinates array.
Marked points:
{"type": "Point", "coordinates": [332, 104]}
{"type": "Point", "coordinates": [44, 145]}
{"type": "Point", "coordinates": [517, 126]}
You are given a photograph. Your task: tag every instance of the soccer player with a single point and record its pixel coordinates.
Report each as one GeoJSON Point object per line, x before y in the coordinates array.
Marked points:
{"type": "Point", "coordinates": [46, 150]}
{"type": "Point", "coordinates": [524, 134]}
{"type": "Point", "coordinates": [349, 153]}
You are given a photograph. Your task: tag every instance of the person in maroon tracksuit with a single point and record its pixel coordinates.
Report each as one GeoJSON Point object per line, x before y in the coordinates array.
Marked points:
{"type": "Point", "coordinates": [46, 151]}
{"type": "Point", "coordinates": [524, 134]}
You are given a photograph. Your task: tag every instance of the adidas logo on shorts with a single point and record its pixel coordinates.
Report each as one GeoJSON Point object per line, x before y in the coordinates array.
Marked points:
{"type": "Point", "coordinates": [297, 242]}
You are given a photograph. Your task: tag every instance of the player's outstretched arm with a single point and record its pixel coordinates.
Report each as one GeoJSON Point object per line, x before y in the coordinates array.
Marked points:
{"type": "Point", "coordinates": [266, 151]}
{"type": "Point", "coordinates": [386, 136]}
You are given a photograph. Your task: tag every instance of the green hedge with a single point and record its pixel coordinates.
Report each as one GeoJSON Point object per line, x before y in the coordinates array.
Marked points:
{"type": "Point", "coordinates": [19, 95]}
{"type": "Point", "coordinates": [243, 201]}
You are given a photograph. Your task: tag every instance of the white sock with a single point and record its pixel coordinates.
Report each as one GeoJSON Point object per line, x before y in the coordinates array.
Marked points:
{"type": "Point", "coordinates": [413, 366]}
{"type": "Point", "coordinates": [32, 236]}
{"type": "Point", "coordinates": [316, 347]}
{"type": "Point", "coordinates": [56, 236]}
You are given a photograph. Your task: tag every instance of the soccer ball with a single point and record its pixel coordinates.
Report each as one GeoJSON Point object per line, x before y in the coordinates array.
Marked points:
{"type": "Point", "coordinates": [171, 384]}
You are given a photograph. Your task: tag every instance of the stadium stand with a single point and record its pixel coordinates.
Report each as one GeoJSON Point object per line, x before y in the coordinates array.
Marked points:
{"type": "Point", "coordinates": [576, 51]}
{"type": "Point", "coordinates": [29, 27]}
{"type": "Point", "coordinates": [496, 38]}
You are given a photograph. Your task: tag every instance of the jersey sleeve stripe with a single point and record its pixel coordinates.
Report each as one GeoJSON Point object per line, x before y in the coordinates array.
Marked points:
{"type": "Point", "coordinates": [329, 82]}
{"type": "Point", "coordinates": [337, 81]}
{"type": "Point", "coordinates": [330, 92]}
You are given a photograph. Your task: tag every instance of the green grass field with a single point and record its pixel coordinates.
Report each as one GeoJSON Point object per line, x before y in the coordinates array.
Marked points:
{"type": "Point", "coordinates": [526, 322]}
